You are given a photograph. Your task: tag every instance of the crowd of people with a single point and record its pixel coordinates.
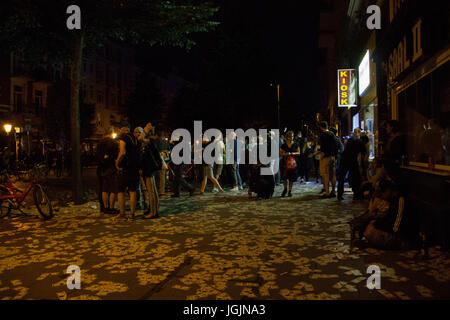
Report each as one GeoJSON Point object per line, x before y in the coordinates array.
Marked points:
{"type": "Point", "coordinates": [139, 162]}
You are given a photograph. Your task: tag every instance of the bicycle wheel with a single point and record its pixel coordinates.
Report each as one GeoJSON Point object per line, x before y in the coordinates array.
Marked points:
{"type": "Point", "coordinates": [42, 202]}
{"type": "Point", "coordinates": [5, 205]}
{"type": "Point", "coordinates": [5, 208]}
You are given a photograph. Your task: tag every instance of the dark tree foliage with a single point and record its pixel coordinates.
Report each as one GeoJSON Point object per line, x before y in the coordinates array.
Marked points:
{"type": "Point", "coordinates": [37, 28]}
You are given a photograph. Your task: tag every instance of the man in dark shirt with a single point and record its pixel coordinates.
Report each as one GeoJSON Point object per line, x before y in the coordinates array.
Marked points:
{"type": "Point", "coordinates": [395, 149]}
{"type": "Point", "coordinates": [107, 151]}
{"type": "Point", "coordinates": [350, 163]}
{"type": "Point", "coordinates": [328, 150]}
{"type": "Point", "coordinates": [127, 163]}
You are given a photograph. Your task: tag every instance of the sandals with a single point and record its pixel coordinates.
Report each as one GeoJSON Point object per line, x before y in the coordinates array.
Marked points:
{"type": "Point", "coordinates": [152, 216]}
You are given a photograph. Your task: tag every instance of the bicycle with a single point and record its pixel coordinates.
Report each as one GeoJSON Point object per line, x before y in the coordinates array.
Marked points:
{"type": "Point", "coordinates": [11, 197]}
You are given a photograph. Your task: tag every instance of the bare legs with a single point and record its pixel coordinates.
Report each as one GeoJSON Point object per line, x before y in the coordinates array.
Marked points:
{"type": "Point", "coordinates": [121, 198]}
{"type": "Point", "coordinates": [207, 174]}
{"type": "Point", "coordinates": [108, 202]}
{"type": "Point", "coordinates": [153, 197]}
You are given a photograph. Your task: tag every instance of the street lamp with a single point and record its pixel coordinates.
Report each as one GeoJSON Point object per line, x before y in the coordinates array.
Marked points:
{"type": "Point", "coordinates": [278, 103]}
{"type": "Point", "coordinates": [7, 128]}
{"type": "Point", "coordinates": [114, 135]}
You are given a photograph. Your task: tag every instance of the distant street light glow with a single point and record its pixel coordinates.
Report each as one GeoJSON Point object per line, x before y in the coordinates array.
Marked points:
{"type": "Point", "coordinates": [7, 128]}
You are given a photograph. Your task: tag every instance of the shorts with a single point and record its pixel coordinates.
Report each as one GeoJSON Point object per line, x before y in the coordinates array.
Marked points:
{"type": "Point", "coordinates": [128, 180]}
{"type": "Point", "coordinates": [111, 183]}
{"type": "Point", "coordinates": [208, 170]}
{"type": "Point", "coordinates": [327, 167]}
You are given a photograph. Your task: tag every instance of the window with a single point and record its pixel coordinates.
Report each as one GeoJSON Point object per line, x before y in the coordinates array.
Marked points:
{"type": "Point", "coordinates": [18, 98]}
{"type": "Point", "coordinates": [100, 73]}
{"type": "Point", "coordinates": [99, 96]}
{"type": "Point", "coordinates": [113, 99]}
{"type": "Point", "coordinates": [424, 114]}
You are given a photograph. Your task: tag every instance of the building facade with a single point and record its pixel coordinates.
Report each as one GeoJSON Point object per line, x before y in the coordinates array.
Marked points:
{"type": "Point", "coordinates": [107, 82]}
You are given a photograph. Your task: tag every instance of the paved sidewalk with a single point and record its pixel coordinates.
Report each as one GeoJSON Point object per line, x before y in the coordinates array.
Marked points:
{"type": "Point", "coordinates": [211, 247]}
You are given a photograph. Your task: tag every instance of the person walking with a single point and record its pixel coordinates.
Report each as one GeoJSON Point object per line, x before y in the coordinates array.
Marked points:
{"type": "Point", "coordinates": [219, 158]}
{"type": "Point", "coordinates": [178, 179]}
{"type": "Point", "coordinates": [208, 173]}
{"type": "Point", "coordinates": [354, 150]}
{"type": "Point", "coordinates": [289, 151]}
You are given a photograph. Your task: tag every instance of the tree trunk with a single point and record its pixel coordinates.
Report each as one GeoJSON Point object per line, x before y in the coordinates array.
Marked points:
{"type": "Point", "coordinates": [75, 75]}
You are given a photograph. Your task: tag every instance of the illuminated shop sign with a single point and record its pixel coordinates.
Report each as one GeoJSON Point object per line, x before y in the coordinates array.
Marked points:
{"type": "Point", "coordinates": [401, 59]}
{"type": "Point", "coordinates": [364, 73]}
{"type": "Point", "coordinates": [355, 121]}
{"type": "Point", "coordinates": [347, 88]}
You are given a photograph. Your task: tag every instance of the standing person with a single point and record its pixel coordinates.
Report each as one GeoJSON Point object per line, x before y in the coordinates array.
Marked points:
{"type": "Point", "coordinates": [140, 198]}
{"type": "Point", "coordinates": [152, 163]}
{"type": "Point", "coordinates": [219, 157]}
{"type": "Point", "coordinates": [164, 148]}
{"type": "Point", "coordinates": [340, 149]}
{"type": "Point", "coordinates": [127, 163]}
{"type": "Point", "coordinates": [289, 151]}
{"type": "Point", "coordinates": [315, 155]}
{"type": "Point", "coordinates": [349, 163]}
{"type": "Point", "coordinates": [179, 181]}
{"type": "Point", "coordinates": [107, 151]}
{"type": "Point", "coordinates": [309, 161]}
{"type": "Point", "coordinates": [328, 150]}
{"type": "Point", "coordinates": [237, 181]}
{"type": "Point", "coordinates": [300, 142]}
{"type": "Point", "coordinates": [208, 174]}
{"type": "Point", "coordinates": [303, 159]}
{"type": "Point", "coordinates": [395, 149]}
{"type": "Point", "coordinates": [365, 160]}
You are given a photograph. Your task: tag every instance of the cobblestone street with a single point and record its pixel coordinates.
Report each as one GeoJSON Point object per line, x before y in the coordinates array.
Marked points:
{"type": "Point", "coordinates": [211, 247]}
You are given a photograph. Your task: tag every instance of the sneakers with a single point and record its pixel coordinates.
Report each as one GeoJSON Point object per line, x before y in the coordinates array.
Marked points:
{"type": "Point", "coordinates": [284, 193]}
{"type": "Point", "coordinates": [332, 195]}
{"type": "Point", "coordinates": [241, 188]}
{"type": "Point", "coordinates": [235, 189]}
{"type": "Point", "coordinates": [289, 194]}
{"type": "Point", "coordinates": [325, 196]}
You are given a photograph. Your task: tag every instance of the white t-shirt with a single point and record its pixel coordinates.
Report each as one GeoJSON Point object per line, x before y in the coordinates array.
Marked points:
{"type": "Point", "coordinates": [221, 146]}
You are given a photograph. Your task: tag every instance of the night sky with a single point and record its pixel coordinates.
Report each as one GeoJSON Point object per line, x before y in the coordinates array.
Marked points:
{"type": "Point", "coordinates": [257, 43]}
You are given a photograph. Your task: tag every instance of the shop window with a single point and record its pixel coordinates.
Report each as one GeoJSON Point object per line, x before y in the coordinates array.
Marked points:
{"type": "Point", "coordinates": [424, 114]}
